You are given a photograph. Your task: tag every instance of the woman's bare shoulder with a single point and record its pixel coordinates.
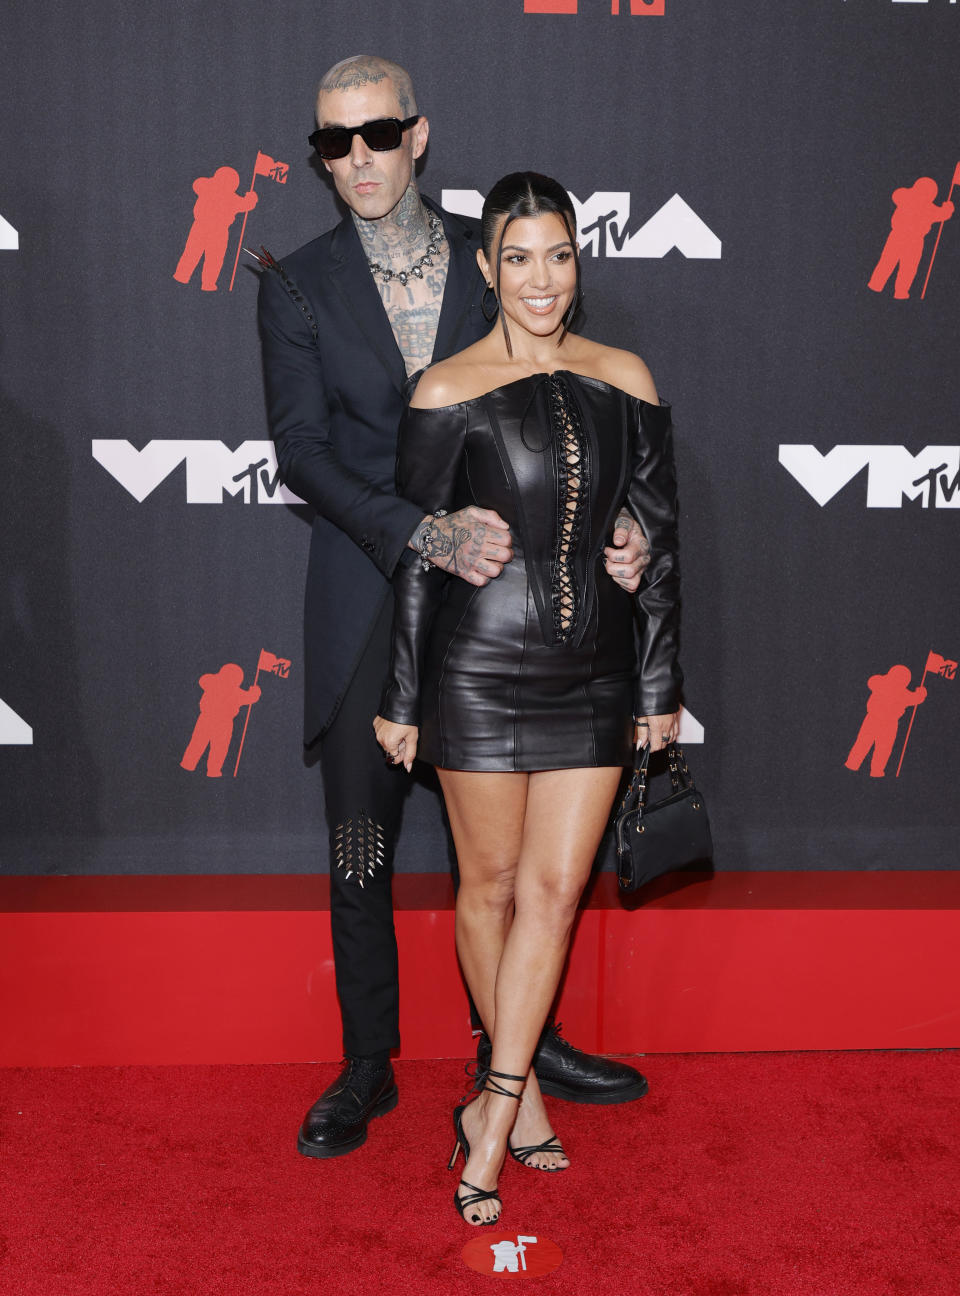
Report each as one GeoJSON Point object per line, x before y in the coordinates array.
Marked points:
{"type": "Point", "coordinates": [437, 387]}
{"type": "Point", "coordinates": [623, 369]}
{"type": "Point", "coordinates": [447, 383]}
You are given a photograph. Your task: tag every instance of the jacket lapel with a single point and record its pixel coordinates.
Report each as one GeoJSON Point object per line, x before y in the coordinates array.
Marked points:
{"type": "Point", "coordinates": [357, 290]}
{"type": "Point", "coordinates": [463, 279]}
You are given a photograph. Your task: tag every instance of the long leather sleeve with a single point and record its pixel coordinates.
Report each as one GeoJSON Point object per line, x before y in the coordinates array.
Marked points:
{"type": "Point", "coordinates": [297, 395]}
{"type": "Point", "coordinates": [429, 457]}
{"type": "Point", "coordinates": [652, 500]}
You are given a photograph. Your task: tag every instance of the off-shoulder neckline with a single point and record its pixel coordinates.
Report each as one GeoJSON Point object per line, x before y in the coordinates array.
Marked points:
{"type": "Point", "coordinates": [472, 400]}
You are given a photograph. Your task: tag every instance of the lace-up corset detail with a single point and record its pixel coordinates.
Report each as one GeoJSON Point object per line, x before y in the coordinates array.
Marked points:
{"type": "Point", "coordinates": [570, 452]}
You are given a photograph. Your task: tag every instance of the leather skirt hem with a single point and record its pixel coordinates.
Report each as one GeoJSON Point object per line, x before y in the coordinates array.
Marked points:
{"type": "Point", "coordinates": [510, 765]}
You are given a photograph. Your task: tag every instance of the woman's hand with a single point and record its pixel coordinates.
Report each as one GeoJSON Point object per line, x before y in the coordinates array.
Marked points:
{"type": "Point", "coordinates": [398, 741]}
{"type": "Point", "coordinates": [657, 730]}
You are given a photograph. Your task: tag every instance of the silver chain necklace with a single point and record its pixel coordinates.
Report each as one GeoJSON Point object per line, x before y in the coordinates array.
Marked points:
{"type": "Point", "coordinates": [416, 270]}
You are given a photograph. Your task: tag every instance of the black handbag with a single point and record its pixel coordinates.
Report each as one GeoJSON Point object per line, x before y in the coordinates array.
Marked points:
{"type": "Point", "coordinates": [654, 839]}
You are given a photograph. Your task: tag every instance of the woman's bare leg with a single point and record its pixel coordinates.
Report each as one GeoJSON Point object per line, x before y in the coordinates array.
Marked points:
{"type": "Point", "coordinates": [486, 813]}
{"type": "Point", "coordinates": [525, 846]}
{"type": "Point", "coordinates": [567, 812]}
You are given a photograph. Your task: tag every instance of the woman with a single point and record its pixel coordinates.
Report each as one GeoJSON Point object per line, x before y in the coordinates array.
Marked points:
{"type": "Point", "coordinates": [522, 693]}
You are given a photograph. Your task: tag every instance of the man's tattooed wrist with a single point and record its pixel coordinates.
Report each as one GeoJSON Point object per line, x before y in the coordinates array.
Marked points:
{"type": "Point", "coordinates": [431, 541]}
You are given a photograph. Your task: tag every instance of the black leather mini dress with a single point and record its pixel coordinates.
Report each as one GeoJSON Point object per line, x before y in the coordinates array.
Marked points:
{"type": "Point", "coordinates": [544, 667]}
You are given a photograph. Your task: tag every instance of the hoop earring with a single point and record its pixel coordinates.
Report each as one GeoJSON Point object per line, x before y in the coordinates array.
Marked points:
{"type": "Point", "coordinates": [489, 315]}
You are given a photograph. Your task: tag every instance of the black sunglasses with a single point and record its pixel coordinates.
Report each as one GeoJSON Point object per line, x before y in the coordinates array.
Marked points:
{"type": "Point", "coordinates": [381, 135]}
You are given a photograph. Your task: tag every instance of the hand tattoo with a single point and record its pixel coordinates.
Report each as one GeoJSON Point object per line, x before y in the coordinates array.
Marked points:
{"type": "Point", "coordinates": [467, 548]}
{"type": "Point", "coordinates": [433, 543]}
{"type": "Point", "coordinates": [446, 543]}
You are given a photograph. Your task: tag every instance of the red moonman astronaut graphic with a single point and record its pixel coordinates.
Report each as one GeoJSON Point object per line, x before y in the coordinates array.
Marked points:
{"type": "Point", "coordinates": [916, 210]}
{"type": "Point", "coordinates": [652, 8]}
{"type": "Point", "coordinates": [218, 203]}
{"type": "Point", "coordinates": [222, 698]}
{"type": "Point", "coordinates": [890, 695]}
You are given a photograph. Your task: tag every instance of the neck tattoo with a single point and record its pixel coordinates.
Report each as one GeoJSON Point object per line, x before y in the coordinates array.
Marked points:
{"type": "Point", "coordinates": [414, 271]}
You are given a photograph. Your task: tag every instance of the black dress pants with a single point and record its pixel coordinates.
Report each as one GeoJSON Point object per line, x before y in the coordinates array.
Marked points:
{"type": "Point", "coordinates": [364, 800]}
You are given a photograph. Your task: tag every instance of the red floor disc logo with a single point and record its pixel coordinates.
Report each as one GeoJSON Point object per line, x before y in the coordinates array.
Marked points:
{"type": "Point", "coordinates": [512, 1257]}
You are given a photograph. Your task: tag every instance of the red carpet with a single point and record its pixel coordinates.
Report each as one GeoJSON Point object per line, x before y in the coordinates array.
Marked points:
{"type": "Point", "coordinates": [814, 1174]}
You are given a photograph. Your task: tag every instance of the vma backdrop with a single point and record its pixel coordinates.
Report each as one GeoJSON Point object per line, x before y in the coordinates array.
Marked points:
{"type": "Point", "coordinates": [765, 196]}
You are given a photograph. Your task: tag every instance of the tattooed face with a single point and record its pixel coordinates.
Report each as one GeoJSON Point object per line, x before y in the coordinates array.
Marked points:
{"type": "Point", "coordinates": [538, 273]}
{"type": "Point", "coordinates": [370, 183]}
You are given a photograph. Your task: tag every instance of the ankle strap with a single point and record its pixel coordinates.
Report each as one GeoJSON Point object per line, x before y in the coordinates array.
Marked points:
{"type": "Point", "coordinates": [492, 1086]}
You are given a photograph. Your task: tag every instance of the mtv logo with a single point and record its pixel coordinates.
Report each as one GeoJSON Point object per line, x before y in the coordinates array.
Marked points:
{"type": "Point", "coordinates": [9, 238]}
{"type": "Point", "coordinates": [603, 219]}
{"type": "Point", "coordinates": [602, 225]}
{"type": "Point", "coordinates": [14, 732]}
{"type": "Point", "coordinates": [893, 473]}
{"type": "Point", "coordinates": [212, 469]}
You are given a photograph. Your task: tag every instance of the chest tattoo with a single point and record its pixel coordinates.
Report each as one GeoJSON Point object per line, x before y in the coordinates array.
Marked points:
{"type": "Point", "coordinates": [413, 310]}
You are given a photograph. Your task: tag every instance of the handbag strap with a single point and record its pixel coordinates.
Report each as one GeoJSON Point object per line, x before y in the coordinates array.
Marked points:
{"type": "Point", "coordinates": [635, 797]}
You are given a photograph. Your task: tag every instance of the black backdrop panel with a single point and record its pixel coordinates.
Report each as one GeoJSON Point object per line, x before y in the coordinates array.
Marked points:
{"type": "Point", "coordinates": [143, 548]}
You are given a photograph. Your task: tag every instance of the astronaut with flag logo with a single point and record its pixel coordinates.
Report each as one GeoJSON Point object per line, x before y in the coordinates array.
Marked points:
{"type": "Point", "coordinates": [218, 203]}
{"type": "Point", "coordinates": [916, 212]}
{"type": "Point", "coordinates": [223, 696]}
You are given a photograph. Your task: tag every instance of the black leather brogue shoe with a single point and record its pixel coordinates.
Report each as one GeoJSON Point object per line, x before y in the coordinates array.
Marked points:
{"type": "Point", "coordinates": [337, 1121]}
{"type": "Point", "coordinates": [564, 1071]}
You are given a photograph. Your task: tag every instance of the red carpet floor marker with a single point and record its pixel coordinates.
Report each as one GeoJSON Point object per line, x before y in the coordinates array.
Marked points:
{"type": "Point", "coordinates": [512, 1257]}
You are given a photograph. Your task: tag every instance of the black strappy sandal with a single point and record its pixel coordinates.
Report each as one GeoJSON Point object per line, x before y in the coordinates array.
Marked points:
{"type": "Point", "coordinates": [476, 1194]}
{"type": "Point", "coordinates": [551, 1144]}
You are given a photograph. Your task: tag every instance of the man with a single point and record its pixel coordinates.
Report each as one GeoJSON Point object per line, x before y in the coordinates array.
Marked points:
{"type": "Point", "coordinates": [343, 322]}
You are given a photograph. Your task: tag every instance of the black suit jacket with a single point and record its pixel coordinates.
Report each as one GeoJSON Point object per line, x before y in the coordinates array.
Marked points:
{"type": "Point", "coordinates": [334, 380]}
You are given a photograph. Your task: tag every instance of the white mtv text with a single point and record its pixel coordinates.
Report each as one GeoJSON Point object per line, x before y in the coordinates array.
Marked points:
{"type": "Point", "coordinates": [893, 474]}
{"type": "Point", "coordinates": [212, 469]}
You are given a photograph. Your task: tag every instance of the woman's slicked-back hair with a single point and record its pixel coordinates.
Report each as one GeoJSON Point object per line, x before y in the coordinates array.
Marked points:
{"type": "Point", "coordinates": [516, 196]}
